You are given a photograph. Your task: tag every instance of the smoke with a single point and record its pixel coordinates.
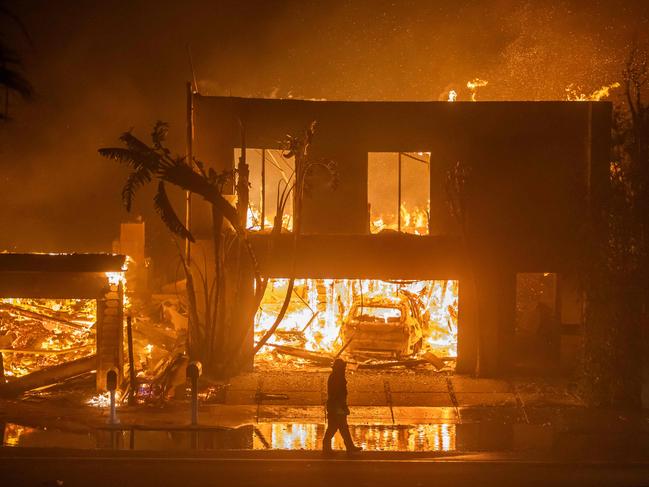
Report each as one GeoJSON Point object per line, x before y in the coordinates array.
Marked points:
{"type": "Point", "coordinates": [100, 68]}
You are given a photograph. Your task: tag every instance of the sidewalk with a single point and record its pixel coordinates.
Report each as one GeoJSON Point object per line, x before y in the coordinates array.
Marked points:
{"type": "Point", "coordinates": [403, 389]}
{"type": "Point", "coordinates": [389, 412]}
{"type": "Point", "coordinates": [374, 398]}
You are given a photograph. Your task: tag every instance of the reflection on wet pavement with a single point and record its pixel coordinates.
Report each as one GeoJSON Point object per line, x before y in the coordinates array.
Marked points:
{"type": "Point", "coordinates": [261, 436]}
{"type": "Point", "coordinates": [300, 436]}
{"type": "Point", "coordinates": [27, 436]}
{"type": "Point", "coordinates": [14, 432]}
{"type": "Point", "coordinates": [430, 437]}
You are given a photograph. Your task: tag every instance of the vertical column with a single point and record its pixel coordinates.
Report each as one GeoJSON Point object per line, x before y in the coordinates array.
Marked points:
{"type": "Point", "coordinates": [496, 320]}
{"type": "Point", "coordinates": [506, 320]}
{"type": "Point", "coordinates": [110, 332]}
{"type": "Point", "coordinates": [486, 322]}
{"type": "Point", "coordinates": [242, 315]}
{"type": "Point", "coordinates": [570, 304]}
{"type": "Point", "coordinates": [467, 329]}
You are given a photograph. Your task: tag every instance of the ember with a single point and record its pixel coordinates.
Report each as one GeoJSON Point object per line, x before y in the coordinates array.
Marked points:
{"type": "Point", "coordinates": [102, 400]}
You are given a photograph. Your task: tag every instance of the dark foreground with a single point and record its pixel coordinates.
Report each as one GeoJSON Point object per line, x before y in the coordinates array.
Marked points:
{"type": "Point", "coordinates": [41, 467]}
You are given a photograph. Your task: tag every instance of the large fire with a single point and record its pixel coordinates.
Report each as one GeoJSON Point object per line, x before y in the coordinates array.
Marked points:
{"type": "Point", "coordinates": [320, 309]}
{"type": "Point", "coordinates": [38, 333]}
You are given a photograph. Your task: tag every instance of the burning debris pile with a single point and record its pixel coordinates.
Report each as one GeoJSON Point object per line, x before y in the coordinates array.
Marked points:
{"type": "Point", "coordinates": [159, 338]}
{"type": "Point", "coordinates": [42, 335]}
{"type": "Point", "coordinates": [158, 327]}
{"type": "Point", "coordinates": [39, 333]}
{"type": "Point", "coordinates": [376, 324]}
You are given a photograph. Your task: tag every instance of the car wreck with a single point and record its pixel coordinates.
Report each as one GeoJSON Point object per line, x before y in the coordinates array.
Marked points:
{"type": "Point", "coordinates": [384, 326]}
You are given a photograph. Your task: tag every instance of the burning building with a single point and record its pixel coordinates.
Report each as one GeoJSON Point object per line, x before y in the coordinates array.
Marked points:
{"type": "Point", "coordinates": [524, 179]}
{"type": "Point", "coordinates": [61, 315]}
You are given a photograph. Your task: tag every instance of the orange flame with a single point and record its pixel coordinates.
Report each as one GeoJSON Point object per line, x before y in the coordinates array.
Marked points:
{"type": "Point", "coordinates": [473, 86]}
{"type": "Point", "coordinates": [320, 307]}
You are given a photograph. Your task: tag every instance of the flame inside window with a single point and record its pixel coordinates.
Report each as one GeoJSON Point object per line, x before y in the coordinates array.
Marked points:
{"type": "Point", "coordinates": [398, 191]}
{"type": "Point", "coordinates": [270, 174]}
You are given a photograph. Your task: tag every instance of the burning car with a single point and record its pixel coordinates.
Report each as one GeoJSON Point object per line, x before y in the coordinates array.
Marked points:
{"type": "Point", "coordinates": [380, 325]}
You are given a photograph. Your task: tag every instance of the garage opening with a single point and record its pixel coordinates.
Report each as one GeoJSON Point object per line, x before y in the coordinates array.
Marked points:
{"type": "Point", "coordinates": [368, 322]}
{"type": "Point", "coordinates": [40, 333]}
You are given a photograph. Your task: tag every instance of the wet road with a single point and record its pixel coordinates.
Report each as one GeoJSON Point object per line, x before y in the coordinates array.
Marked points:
{"type": "Point", "coordinates": [46, 467]}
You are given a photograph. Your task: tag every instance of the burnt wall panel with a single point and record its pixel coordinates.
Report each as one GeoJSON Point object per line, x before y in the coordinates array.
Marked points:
{"type": "Point", "coordinates": [527, 193]}
{"type": "Point", "coordinates": [341, 209]}
{"type": "Point", "coordinates": [362, 257]}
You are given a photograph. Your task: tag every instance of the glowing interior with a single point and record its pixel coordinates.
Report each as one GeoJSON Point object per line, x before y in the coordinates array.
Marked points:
{"type": "Point", "coordinates": [318, 309]}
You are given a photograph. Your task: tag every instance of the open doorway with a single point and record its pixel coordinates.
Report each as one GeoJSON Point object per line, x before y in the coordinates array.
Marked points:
{"type": "Point", "coordinates": [537, 331]}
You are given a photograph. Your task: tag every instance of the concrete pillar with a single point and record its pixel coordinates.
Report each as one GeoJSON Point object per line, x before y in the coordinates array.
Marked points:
{"type": "Point", "coordinates": [486, 324]}
{"type": "Point", "coordinates": [243, 312]}
{"type": "Point", "coordinates": [467, 328]}
{"type": "Point", "coordinates": [505, 320]}
{"type": "Point", "coordinates": [110, 326]}
{"type": "Point", "coordinates": [570, 303]}
{"type": "Point", "coordinates": [497, 318]}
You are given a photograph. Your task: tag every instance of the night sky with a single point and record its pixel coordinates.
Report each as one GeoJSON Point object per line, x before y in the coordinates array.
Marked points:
{"type": "Point", "coordinates": [100, 68]}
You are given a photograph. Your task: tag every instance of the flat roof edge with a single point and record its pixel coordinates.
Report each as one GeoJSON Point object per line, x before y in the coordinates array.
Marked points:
{"type": "Point", "coordinates": [396, 102]}
{"type": "Point", "coordinates": [55, 262]}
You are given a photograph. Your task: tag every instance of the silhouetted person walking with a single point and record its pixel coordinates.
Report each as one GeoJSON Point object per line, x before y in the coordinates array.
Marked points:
{"type": "Point", "coordinates": [337, 409]}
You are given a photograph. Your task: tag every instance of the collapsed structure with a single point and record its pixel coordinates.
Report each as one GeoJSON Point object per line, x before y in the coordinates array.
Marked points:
{"type": "Point", "coordinates": [528, 178]}
{"type": "Point", "coordinates": [61, 315]}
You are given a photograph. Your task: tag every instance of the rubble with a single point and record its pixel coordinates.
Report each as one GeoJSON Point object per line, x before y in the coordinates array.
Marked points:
{"type": "Point", "coordinates": [23, 312]}
{"type": "Point", "coordinates": [40, 333]}
{"type": "Point", "coordinates": [318, 358]}
{"type": "Point", "coordinates": [49, 376]}
{"type": "Point", "coordinates": [45, 342]}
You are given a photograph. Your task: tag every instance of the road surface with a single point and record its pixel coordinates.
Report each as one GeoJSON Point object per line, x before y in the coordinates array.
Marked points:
{"type": "Point", "coordinates": [74, 468]}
